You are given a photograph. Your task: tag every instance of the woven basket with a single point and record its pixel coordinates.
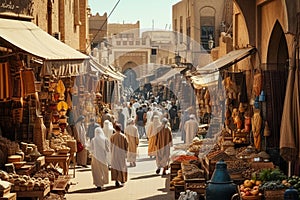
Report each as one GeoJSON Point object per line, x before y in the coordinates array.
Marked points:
{"type": "Point", "coordinates": [258, 197]}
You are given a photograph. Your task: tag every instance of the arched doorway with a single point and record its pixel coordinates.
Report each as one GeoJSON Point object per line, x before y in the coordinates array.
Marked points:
{"type": "Point", "coordinates": [275, 79]}
{"type": "Point", "coordinates": [130, 84]}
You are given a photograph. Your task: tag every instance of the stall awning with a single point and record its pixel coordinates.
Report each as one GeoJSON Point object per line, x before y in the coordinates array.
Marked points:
{"type": "Point", "coordinates": [227, 60]}
{"type": "Point", "coordinates": [58, 58]}
{"type": "Point", "coordinates": [208, 75]}
{"type": "Point", "coordinates": [96, 68]}
{"type": "Point", "coordinates": [167, 75]}
{"type": "Point", "coordinates": [105, 70]}
{"type": "Point", "coordinates": [32, 39]}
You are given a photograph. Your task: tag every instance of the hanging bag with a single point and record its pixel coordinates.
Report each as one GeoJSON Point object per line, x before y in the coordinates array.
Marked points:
{"type": "Point", "coordinates": [257, 82]}
{"type": "Point", "coordinates": [79, 146]}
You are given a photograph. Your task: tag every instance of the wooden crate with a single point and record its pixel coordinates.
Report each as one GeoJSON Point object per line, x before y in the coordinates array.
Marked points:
{"type": "Point", "coordinates": [175, 167]}
{"type": "Point", "coordinates": [197, 185]}
{"type": "Point", "coordinates": [274, 194]}
{"type": "Point", "coordinates": [178, 189]}
{"type": "Point", "coordinates": [9, 196]}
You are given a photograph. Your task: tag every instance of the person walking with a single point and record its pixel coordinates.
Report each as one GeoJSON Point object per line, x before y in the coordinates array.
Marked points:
{"type": "Point", "coordinates": [91, 128]}
{"type": "Point", "coordinates": [140, 121]}
{"type": "Point", "coordinates": [173, 116]}
{"type": "Point", "coordinates": [99, 148]}
{"type": "Point", "coordinates": [151, 134]}
{"type": "Point", "coordinates": [163, 143]}
{"type": "Point", "coordinates": [131, 132]}
{"type": "Point", "coordinates": [80, 137]}
{"type": "Point", "coordinates": [184, 118]}
{"type": "Point", "coordinates": [191, 129]}
{"type": "Point", "coordinates": [108, 130]}
{"type": "Point", "coordinates": [119, 148]}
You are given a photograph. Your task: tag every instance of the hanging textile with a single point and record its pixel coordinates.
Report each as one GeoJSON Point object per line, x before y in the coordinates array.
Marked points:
{"type": "Point", "coordinates": [5, 82]}
{"type": "Point", "coordinates": [243, 92]}
{"type": "Point", "coordinates": [27, 82]}
{"type": "Point", "coordinates": [290, 128]}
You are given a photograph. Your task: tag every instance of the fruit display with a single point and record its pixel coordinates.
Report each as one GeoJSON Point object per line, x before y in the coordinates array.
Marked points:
{"type": "Point", "coordinates": [272, 185]}
{"type": "Point", "coordinates": [274, 174]}
{"type": "Point", "coordinates": [27, 183]}
{"type": "Point", "coordinates": [293, 181]}
{"type": "Point", "coordinates": [250, 187]}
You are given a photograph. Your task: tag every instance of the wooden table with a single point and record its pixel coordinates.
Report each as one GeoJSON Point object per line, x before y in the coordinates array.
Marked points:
{"type": "Point", "coordinates": [62, 159]}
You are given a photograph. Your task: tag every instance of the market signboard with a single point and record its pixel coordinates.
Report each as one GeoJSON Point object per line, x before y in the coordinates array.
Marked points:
{"type": "Point", "coordinates": [16, 7]}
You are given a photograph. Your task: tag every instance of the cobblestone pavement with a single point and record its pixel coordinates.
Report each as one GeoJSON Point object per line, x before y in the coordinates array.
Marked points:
{"type": "Point", "coordinates": [143, 183]}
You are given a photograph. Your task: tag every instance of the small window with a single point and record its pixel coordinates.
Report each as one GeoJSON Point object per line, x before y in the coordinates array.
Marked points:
{"type": "Point", "coordinates": [153, 51]}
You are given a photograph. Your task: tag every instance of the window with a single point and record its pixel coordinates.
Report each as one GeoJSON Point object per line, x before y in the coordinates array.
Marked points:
{"type": "Point", "coordinates": [207, 26]}
{"type": "Point", "coordinates": [207, 33]}
{"type": "Point", "coordinates": [153, 51]}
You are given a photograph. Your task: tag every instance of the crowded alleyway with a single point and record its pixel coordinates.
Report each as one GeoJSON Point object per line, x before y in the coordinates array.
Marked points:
{"type": "Point", "coordinates": [143, 183]}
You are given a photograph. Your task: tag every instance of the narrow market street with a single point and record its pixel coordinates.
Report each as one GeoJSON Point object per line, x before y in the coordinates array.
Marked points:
{"type": "Point", "coordinates": [142, 184]}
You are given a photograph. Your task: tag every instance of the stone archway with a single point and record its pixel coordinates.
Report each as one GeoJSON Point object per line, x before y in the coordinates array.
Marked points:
{"type": "Point", "coordinates": [130, 82]}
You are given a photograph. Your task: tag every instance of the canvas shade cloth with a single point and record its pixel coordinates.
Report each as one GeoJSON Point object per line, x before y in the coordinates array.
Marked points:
{"type": "Point", "coordinates": [30, 38]}
{"type": "Point", "coordinates": [209, 74]}
{"type": "Point", "coordinates": [290, 122]}
{"type": "Point", "coordinates": [171, 73]}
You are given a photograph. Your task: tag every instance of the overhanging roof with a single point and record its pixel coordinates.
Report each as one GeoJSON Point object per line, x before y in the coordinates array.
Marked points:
{"type": "Point", "coordinates": [227, 60]}
{"type": "Point", "coordinates": [207, 73]}
{"type": "Point", "coordinates": [167, 75]}
{"type": "Point", "coordinates": [105, 70]}
{"type": "Point", "coordinates": [33, 40]}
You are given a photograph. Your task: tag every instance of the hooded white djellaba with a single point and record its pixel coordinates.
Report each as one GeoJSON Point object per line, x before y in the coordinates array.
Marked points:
{"type": "Point", "coordinates": [108, 130]}
{"type": "Point", "coordinates": [99, 146]}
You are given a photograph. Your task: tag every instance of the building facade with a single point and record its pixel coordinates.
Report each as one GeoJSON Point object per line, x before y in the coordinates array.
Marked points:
{"type": "Point", "coordinates": [198, 25]}
{"type": "Point", "coordinates": [270, 27]}
{"type": "Point", "coordinates": [65, 20]}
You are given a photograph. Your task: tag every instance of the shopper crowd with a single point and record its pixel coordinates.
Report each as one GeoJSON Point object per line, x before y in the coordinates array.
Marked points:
{"type": "Point", "coordinates": [111, 141]}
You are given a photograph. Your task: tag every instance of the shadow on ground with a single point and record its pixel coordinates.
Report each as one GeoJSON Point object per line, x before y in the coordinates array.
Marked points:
{"type": "Point", "coordinates": [144, 177]}
{"type": "Point", "coordinates": [94, 190]}
{"type": "Point", "coordinates": [159, 197]}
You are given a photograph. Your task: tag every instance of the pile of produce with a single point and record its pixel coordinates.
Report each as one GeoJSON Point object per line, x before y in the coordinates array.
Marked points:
{"type": "Point", "coordinates": [250, 188]}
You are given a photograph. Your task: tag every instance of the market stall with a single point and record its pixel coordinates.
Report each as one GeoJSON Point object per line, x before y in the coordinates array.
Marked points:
{"type": "Point", "coordinates": [237, 133]}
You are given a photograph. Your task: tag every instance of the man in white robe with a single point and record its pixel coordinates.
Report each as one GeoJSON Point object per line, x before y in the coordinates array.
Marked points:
{"type": "Point", "coordinates": [99, 148]}
{"type": "Point", "coordinates": [191, 129]}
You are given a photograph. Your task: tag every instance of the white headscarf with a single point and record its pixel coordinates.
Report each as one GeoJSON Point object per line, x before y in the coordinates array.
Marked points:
{"type": "Point", "coordinates": [99, 146]}
{"type": "Point", "coordinates": [156, 123]}
{"type": "Point", "coordinates": [108, 129]}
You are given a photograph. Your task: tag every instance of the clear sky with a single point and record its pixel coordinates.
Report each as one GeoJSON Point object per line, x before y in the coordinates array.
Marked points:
{"type": "Point", "coordinates": [155, 14]}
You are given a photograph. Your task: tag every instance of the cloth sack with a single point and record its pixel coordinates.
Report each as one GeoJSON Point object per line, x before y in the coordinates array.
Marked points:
{"type": "Point", "coordinates": [80, 146]}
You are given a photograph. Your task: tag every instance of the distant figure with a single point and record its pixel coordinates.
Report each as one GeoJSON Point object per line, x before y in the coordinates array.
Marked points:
{"type": "Point", "coordinates": [184, 118]}
{"type": "Point", "coordinates": [140, 121]}
{"type": "Point", "coordinates": [91, 128]}
{"type": "Point", "coordinates": [99, 148]}
{"type": "Point", "coordinates": [119, 148]}
{"type": "Point", "coordinates": [121, 119]}
{"type": "Point", "coordinates": [131, 132]}
{"type": "Point", "coordinates": [80, 136]}
{"type": "Point", "coordinates": [173, 116]}
{"type": "Point", "coordinates": [105, 116]}
{"type": "Point", "coordinates": [191, 129]}
{"type": "Point", "coordinates": [154, 127]}
{"type": "Point", "coordinates": [163, 143]}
